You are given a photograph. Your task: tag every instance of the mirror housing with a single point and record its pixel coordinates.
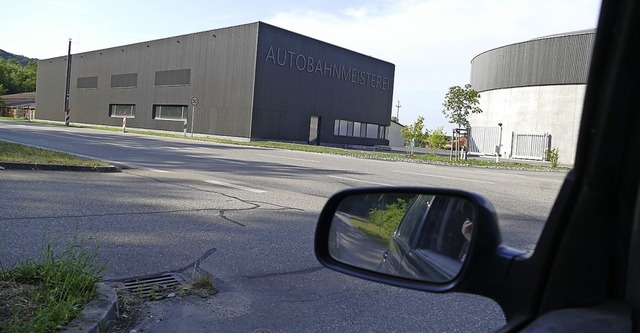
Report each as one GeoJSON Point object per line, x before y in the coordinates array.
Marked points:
{"type": "Point", "coordinates": [485, 264]}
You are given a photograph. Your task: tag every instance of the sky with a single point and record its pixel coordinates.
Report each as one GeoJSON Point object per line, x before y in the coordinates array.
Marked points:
{"type": "Point", "coordinates": [431, 42]}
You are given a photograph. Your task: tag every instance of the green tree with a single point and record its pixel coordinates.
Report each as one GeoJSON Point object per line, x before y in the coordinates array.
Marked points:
{"type": "Point", "coordinates": [436, 140]}
{"type": "Point", "coordinates": [2, 92]}
{"type": "Point", "coordinates": [16, 78]}
{"type": "Point", "coordinates": [414, 135]}
{"type": "Point", "coordinates": [5, 76]}
{"type": "Point", "coordinates": [459, 103]}
{"type": "Point", "coordinates": [25, 78]}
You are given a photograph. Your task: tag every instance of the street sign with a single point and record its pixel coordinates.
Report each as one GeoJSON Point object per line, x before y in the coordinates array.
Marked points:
{"type": "Point", "coordinates": [195, 100]}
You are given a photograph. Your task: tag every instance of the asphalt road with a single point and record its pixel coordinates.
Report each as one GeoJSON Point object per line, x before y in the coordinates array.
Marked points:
{"type": "Point", "coordinates": [246, 216]}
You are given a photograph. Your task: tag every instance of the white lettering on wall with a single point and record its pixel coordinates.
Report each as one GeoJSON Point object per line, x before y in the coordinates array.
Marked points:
{"type": "Point", "coordinates": [302, 63]}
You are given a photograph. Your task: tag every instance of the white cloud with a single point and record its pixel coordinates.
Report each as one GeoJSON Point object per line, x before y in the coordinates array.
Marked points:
{"type": "Point", "coordinates": [432, 42]}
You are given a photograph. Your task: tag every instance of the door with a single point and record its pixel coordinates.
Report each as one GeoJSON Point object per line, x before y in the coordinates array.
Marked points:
{"type": "Point", "coordinates": [314, 130]}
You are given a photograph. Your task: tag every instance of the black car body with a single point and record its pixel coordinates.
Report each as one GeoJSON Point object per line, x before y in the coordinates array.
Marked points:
{"type": "Point", "coordinates": [422, 246]}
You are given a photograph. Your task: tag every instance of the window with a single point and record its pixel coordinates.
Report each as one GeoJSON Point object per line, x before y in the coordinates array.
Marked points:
{"type": "Point", "coordinates": [359, 130]}
{"type": "Point", "coordinates": [356, 129]}
{"type": "Point", "coordinates": [170, 112]}
{"type": "Point", "coordinates": [412, 218]}
{"type": "Point", "coordinates": [118, 110]}
{"type": "Point", "coordinates": [349, 128]}
{"type": "Point", "coordinates": [343, 128]}
{"type": "Point", "coordinates": [372, 131]}
{"type": "Point", "coordinates": [382, 132]}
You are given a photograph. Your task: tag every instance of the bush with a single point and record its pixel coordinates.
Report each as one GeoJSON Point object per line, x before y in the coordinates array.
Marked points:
{"type": "Point", "coordinates": [387, 220]}
{"type": "Point", "coordinates": [552, 156]}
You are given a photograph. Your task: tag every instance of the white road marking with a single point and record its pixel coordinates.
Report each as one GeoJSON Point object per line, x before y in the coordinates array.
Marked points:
{"type": "Point", "coordinates": [505, 174]}
{"type": "Point", "coordinates": [180, 148]}
{"type": "Point", "coordinates": [445, 177]}
{"type": "Point", "coordinates": [136, 166]}
{"type": "Point", "coordinates": [289, 158]}
{"type": "Point", "coordinates": [157, 170]}
{"type": "Point", "coordinates": [361, 181]}
{"type": "Point", "coordinates": [238, 187]}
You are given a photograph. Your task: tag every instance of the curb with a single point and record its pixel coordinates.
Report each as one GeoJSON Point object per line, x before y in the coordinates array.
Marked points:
{"type": "Point", "coordinates": [55, 167]}
{"type": "Point", "coordinates": [100, 315]}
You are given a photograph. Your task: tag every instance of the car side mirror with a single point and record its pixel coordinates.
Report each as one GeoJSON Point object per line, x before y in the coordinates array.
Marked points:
{"type": "Point", "coordinates": [421, 238]}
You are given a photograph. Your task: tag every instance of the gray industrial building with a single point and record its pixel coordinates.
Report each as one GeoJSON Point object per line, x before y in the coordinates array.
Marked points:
{"type": "Point", "coordinates": [252, 82]}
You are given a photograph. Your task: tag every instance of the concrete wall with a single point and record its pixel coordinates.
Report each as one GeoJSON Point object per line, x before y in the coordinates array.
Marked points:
{"type": "Point", "coordinates": [536, 86]}
{"type": "Point", "coordinates": [395, 135]}
{"type": "Point", "coordinates": [556, 110]}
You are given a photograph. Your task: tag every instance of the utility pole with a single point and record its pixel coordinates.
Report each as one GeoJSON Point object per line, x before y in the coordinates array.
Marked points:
{"type": "Point", "coordinates": [66, 91]}
{"type": "Point", "coordinates": [398, 112]}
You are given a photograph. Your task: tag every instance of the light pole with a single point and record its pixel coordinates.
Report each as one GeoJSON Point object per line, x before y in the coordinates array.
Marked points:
{"type": "Point", "coordinates": [67, 84]}
{"type": "Point", "coordinates": [499, 144]}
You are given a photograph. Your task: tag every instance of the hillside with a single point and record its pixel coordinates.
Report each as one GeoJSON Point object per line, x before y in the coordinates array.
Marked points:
{"type": "Point", "coordinates": [19, 58]}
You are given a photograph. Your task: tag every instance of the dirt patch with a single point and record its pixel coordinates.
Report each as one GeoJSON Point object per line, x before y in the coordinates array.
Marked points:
{"type": "Point", "coordinates": [17, 301]}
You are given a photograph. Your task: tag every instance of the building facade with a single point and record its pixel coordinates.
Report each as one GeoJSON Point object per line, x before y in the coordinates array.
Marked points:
{"type": "Point", "coordinates": [535, 91]}
{"type": "Point", "coordinates": [250, 82]}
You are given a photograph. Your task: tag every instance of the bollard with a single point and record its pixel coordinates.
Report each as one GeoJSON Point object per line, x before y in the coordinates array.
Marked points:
{"type": "Point", "coordinates": [67, 116]}
{"type": "Point", "coordinates": [124, 122]}
{"type": "Point", "coordinates": [185, 128]}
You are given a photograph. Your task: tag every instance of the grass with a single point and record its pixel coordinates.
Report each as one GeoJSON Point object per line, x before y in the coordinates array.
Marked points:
{"type": "Point", "coordinates": [418, 158]}
{"type": "Point", "coordinates": [17, 153]}
{"type": "Point", "coordinates": [43, 296]}
{"type": "Point", "coordinates": [380, 235]}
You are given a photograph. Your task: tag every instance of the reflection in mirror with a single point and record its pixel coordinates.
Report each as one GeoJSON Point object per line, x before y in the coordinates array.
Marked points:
{"type": "Point", "coordinates": [417, 236]}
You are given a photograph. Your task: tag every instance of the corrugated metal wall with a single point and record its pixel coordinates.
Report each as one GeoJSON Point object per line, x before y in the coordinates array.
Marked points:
{"type": "Point", "coordinates": [242, 92]}
{"type": "Point", "coordinates": [546, 61]}
{"type": "Point", "coordinates": [217, 66]}
{"type": "Point", "coordinates": [298, 77]}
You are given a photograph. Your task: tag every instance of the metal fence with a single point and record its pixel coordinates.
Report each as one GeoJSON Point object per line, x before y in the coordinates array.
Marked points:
{"type": "Point", "coordinates": [484, 140]}
{"type": "Point", "coordinates": [531, 146]}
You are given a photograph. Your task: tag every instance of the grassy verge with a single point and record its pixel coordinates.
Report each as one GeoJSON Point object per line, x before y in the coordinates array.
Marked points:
{"type": "Point", "coordinates": [12, 152]}
{"type": "Point", "coordinates": [419, 158]}
{"type": "Point", "coordinates": [376, 233]}
{"type": "Point", "coordinates": [43, 296]}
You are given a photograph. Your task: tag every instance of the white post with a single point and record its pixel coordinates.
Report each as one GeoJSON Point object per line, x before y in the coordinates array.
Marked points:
{"type": "Point", "coordinates": [193, 114]}
{"type": "Point", "coordinates": [185, 128]}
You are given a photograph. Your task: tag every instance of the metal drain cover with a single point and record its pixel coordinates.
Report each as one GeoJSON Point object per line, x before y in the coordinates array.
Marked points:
{"type": "Point", "coordinates": [152, 284]}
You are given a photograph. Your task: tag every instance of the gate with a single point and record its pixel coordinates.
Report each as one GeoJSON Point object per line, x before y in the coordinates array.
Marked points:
{"type": "Point", "coordinates": [532, 146]}
{"type": "Point", "coordinates": [483, 140]}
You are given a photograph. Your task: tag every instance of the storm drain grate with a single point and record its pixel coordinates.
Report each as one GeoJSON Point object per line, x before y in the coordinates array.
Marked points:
{"type": "Point", "coordinates": [153, 284]}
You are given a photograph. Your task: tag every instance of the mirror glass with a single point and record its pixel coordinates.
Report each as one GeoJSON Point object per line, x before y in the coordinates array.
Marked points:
{"type": "Point", "coordinates": [418, 236]}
